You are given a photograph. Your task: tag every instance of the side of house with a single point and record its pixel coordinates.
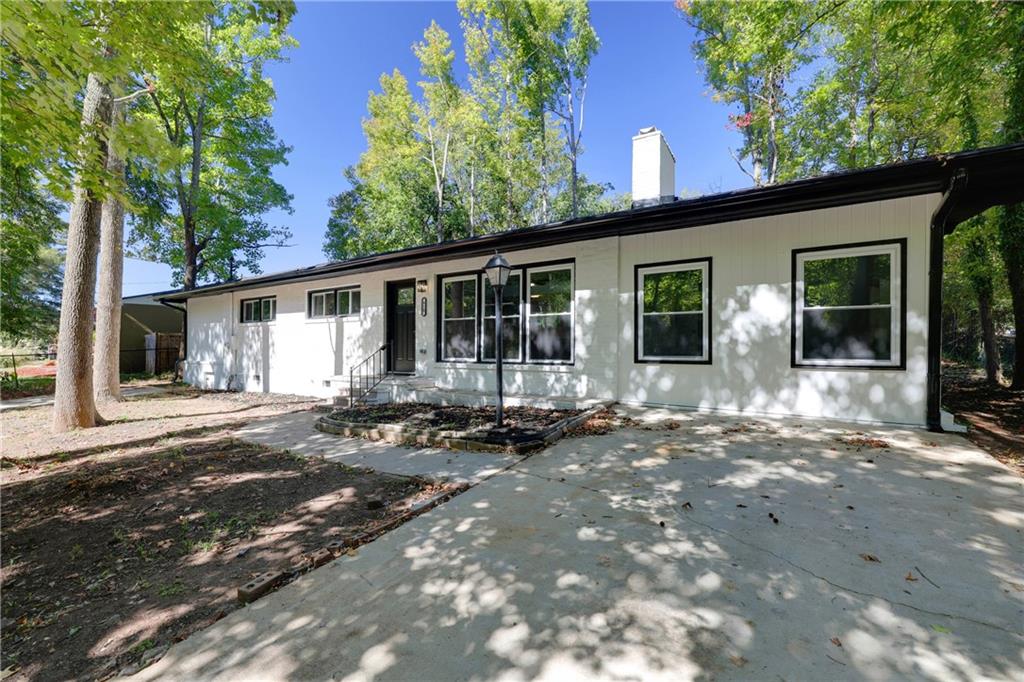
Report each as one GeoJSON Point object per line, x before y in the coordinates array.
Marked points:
{"type": "Point", "coordinates": [818, 298]}
{"type": "Point", "coordinates": [577, 327]}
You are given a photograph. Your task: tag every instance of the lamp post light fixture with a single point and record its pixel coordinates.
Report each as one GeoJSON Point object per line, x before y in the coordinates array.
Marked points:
{"type": "Point", "coordinates": [497, 270]}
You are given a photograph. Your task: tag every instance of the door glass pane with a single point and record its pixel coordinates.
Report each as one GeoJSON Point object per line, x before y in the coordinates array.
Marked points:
{"type": "Point", "coordinates": [846, 281]}
{"type": "Point", "coordinates": [406, 296]}
{"type": "Point", "coordinates": [845, 334]}
{"type": "Point", "coordinates": [673, 292]}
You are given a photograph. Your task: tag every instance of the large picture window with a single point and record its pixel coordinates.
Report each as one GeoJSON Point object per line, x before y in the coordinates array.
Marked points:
{"type": "Point", "coordinates": [458, 318]}
{"type": "Point", "coordinates": [848, 306]}
{"type": "Point", "coordinates": [673, 303]}
{"type": "Point", "coordinates": [549, 314]}
{"type": "Point", "coordinates": [333, 302]}
{"type": "Point", "coordinates": [259, 309]}
{"type": "Point", "coordinates": [537, 314]}
{"type": "Point", "coordinates": [511, 319]}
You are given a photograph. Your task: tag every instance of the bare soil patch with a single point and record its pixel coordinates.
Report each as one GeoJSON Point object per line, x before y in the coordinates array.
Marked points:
{"type": "Point", "coordinates": [27, 435]}
{"type": "Point", "coordinates": [518, 420]}
{"type": "Point", "coordinates": [995, 414]}
{"type": "Point", "coordinates": [114, 553]}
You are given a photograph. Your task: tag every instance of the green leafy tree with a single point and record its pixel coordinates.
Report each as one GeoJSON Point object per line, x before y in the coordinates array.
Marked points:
{"type": "Point", "coordinates": [202, 200]}
{"type": "Point", "coordinates": [750, 52]}
{"type": "Point", "coordinates": [30, 267]}
{"type": "Point", "coordinates": [49, 52]}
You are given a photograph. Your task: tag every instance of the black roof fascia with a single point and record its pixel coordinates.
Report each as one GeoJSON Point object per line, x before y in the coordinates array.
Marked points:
{"type": "Point", "coordinates": [996, 175]}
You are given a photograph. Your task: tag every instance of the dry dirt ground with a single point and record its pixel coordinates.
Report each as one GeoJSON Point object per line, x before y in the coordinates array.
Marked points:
{"type": "Point", "coordinates": [995, 415]}
{"type": "Point", "coordinates": [122, 539]}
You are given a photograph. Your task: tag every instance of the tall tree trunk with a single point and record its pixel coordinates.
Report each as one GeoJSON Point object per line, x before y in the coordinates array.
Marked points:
{"type": "Point", "coordinates": [993, 367]}
{"type": "Point", "coordinates": [543, 169]}
{"type": "Point", "coordinates": [107, 370]}
{"type": "Point", "coordinates": [1011, 228]}
{"type": "Point", "coordinates": [1011, 218]}
{"type": "Point", "coordinates": [73, 403]}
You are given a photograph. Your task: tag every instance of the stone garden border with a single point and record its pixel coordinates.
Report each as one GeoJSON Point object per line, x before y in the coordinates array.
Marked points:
{"type": "Point", "coordinates": [475, 441]}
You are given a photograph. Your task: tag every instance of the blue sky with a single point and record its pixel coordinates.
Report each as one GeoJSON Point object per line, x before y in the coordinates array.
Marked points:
{"type": "Point", "coordinates": [644, 74]}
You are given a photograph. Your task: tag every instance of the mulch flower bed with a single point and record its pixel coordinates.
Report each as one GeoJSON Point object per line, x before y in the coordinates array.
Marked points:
{"type": "Point", "coordinates": [110, 557]}
{"type": "Point", "coordinates": [517, 419]}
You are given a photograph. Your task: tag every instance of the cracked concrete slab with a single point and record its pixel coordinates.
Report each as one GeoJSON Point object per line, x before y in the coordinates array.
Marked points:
{"type": "Point", "coordinates": [294, 432]}
{"type": "Point", "coordinates": [654, 554]}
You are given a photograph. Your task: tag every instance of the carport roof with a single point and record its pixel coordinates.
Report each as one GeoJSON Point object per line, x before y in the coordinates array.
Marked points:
{"type": "Point", "coordinates": [995, 175]}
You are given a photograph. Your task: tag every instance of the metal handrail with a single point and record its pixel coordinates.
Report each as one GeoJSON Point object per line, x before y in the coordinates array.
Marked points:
{"type": "Point", "coordinates": [367, 374]}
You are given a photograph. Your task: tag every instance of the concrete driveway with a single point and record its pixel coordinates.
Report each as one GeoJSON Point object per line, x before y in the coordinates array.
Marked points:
{"type": "Point", "coordinates": [654, 555]}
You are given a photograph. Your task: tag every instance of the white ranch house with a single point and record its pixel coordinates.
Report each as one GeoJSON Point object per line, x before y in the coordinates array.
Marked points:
{"type": "Point", "coordinates": [817, 298]}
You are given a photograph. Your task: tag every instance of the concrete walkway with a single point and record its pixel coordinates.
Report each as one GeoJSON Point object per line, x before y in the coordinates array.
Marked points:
{"type": "Point", "coordinates": [43, 400]}
{"type": "Point", "coordinates": [295, 433]}
{"type": "Point", "coordinates": [654, 555]}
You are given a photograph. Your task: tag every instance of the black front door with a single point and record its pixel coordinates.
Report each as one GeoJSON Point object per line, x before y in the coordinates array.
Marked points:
{"type": "Point", "coordinates": [401, 326]}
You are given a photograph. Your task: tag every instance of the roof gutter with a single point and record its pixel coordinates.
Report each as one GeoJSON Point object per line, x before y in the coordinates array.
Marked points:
{"type": "Point", "coordinates": [941, 225]}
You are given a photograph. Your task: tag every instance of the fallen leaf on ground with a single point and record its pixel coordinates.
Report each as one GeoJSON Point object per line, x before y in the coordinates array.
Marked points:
{"type": "Point", "coordinates": [687, 505]}
{"type": "Point", "coordinates": [870, 558]}
{"type": "Point", "coordinates": [940, 628]}
{"type": "Point", "coordinates": [835, 640]}
{"type": "Point", "coordinates": [910, 577]}
{"type": "Point", "coordinates": [738, 661]}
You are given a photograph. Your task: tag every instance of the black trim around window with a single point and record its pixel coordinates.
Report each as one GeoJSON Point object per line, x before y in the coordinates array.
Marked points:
{"type": "Point", "coordinates": [259, 301]}
{"type": "Point", "coordinates": [636, 312]}
{"type": "Point", "coordinates": [335, 290]}
{"type": "Point", "coordinates": [523, 322]}
{"type": "Point", "coordinates": [902, 364]}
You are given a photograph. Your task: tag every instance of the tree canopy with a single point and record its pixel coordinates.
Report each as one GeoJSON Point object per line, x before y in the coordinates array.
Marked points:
{"type": "Point", "coordinates": [496, 152]}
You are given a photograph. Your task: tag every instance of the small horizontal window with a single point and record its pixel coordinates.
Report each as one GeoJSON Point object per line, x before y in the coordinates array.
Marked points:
{"type": "Point", "coordinates": [333, 303]}
{"type": "Point", "coordinates": [259, 309]}
{"type": "Point", "coordinates": [673, 301]}
{"type": "Point", "coordinates": [847, 306]}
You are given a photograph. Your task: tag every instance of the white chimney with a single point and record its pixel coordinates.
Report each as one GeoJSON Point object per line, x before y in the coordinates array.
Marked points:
{"type": "Point", "coordinates": [654, 169]}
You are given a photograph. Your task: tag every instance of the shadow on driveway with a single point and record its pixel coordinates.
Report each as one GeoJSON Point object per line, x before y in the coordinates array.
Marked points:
{"type": "Point", "coordinates": [653, 554]}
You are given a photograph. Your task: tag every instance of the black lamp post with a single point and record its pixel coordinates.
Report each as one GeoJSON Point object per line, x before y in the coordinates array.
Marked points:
{"type": "Point", "coordinates": [497, 270]}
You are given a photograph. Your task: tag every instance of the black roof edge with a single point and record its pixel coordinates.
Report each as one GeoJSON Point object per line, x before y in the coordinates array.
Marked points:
{"type": "Point", "coordinates": [996, 175]}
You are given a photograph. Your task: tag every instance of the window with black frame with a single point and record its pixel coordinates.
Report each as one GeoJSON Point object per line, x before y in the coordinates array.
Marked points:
{"type": "Point", "coordinates": [259, 309]}
{"type": "Point", "coordinates": [549, 314]}
{"type": "Point", "coordinates": [333, 302]}
{"type": "Point", "coordinates": [458, 318]}
{"type": "Point", "coordinates": [511, 319]}
{"type": "Point", "coordinates": [673, 301]}
{"type": "Point", "coordinates": [847, 308]}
